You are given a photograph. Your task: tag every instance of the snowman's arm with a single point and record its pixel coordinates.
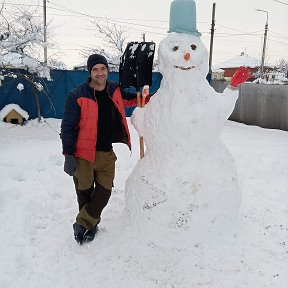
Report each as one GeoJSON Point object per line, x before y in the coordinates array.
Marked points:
{"type": "Point", "coordinates": [231, 93]}
{"type": "Point", "coordinates": [137, 120]}
{"type": "Point", "coordinates": [227, 101]}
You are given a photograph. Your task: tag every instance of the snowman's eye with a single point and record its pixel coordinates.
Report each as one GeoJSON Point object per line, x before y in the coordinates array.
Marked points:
{"type": "Point", "coordinates": [193, 47]}
{"type": "Point", "coordinates": [175, 48]}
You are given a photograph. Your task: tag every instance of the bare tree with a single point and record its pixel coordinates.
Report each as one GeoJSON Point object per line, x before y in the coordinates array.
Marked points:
{"type": "Point", "coordinates": [283, 67]}
{"type": "Point", "coordinates": [57, 64]}
{"type": "Point", "coordinates": [21, 39]}
{"type": "Point", "coordinates": [112, 43]}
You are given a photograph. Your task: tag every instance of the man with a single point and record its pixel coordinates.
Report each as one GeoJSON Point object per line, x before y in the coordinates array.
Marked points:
{"type": "Point", "coordinates": [94, 118]}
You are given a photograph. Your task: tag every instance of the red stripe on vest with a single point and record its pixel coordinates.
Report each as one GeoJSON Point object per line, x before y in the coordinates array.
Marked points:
{"type": "Point", "coordinates": [87, 137]}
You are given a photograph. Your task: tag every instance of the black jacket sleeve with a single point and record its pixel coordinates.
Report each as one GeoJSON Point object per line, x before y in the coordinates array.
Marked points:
{"type": "Point", "coordinates": [69, 125]}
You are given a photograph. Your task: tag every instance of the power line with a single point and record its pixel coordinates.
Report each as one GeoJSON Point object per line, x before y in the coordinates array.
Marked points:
{"type": "Point", "coordinates": [271, 40]}
{"type": "Point", "coordinates": [109, 20]}
{"type": "Point", "coordinates": [120, 20]}
{"type": "Point", "coordinates": [103, 18]}
{"type": "Point", "coordinates": [280, 2]}
{"type": "Point", "coordinates": [253, 34]}
{"type": "Point", "coordinates": [144, 20]}
{"type": "Point", "coordinates": [17, 4]}
{"type": "Point", "coordinates": [279, 37]}
{"type": "Point", "coordinates": [230, 28]}
{"type": "Point", "coordinates": [148, 26]}
{"type": "Point", "coordinates": [233, 35]}
{"type": "Point", "coordinates": [283, 36]}
{"type": "Point", "coordinates": [116, 21]}
{"type": "Point", "coordinates": [143, 26]}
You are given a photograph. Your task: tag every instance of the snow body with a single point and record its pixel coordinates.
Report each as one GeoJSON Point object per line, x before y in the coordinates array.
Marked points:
{"type": "Point", "coordinates": [187, 182]}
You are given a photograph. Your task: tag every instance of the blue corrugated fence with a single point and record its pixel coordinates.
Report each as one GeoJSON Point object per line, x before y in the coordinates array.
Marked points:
{"type": "Point", "coordinates": [52, 104]}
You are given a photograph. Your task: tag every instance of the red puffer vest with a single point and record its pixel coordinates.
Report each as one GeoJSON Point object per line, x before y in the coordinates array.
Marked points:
{"type": "Point", "coordinates": [87, 130]}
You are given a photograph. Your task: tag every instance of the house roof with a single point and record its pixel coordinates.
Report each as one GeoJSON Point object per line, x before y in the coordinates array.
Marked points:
{"type": "Point", "coordinates": [8, 108]}
{"type": "Point", "coordinates": [82, 65]}
{"type": "Point", "coordinates": [240, 60]}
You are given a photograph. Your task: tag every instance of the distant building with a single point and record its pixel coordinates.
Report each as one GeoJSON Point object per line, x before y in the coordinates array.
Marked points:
{"type": "Point", "coordinates": [217, 74]}
{"type": "Point", "coordinates": [276, 77]}
{"type": "Point", "coordinates": [81, 67]}
{"type": "Point", "coordinates": [231, 65]}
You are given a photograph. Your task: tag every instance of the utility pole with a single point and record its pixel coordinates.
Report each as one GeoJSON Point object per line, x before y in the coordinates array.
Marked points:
{"type": "Point", "coordinates": [264, 48]}
{"type": "Point", "coordinates": [45, 32]}
{"type": "Point", "coordinates": [143, 37]}
{"type": "Point", "coordinates": [264, 43]}
{"type": "Point", "coordinates": [212, 38]}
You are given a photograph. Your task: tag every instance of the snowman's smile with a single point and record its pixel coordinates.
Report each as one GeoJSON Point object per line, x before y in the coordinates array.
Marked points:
{"type": "Point", "coordinates": [184, 68]}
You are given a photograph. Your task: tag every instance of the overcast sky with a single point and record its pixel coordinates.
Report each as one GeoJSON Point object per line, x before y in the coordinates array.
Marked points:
{"type": "Point", "coordinates": [239, 28]}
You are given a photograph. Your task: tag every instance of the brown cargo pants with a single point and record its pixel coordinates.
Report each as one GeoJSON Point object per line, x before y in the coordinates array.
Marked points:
{"type": "Point", "coordinates": [93, 185]}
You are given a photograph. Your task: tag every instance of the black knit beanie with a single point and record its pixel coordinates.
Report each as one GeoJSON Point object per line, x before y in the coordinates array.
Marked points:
{"type": "Point", "coordinates": [96, 59]}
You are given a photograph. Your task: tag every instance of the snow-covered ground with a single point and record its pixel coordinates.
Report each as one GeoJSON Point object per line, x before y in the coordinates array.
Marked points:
{"type": "Point", "coordinates": [38, 206]}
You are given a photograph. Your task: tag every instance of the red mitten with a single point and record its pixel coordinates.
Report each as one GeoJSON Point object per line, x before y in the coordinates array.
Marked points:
{"type": "Point", "coordinates": [240, 76]}
{"type": "Point", "coordinates": [145, 93]}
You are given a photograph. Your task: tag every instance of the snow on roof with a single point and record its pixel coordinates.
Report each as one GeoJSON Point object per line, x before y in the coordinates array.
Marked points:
{"type": "Point", "coordinates": [217, 70]}
{"type": "Point", "coordinates": [81, 65]}
{"type": "Point", "coordinates": [8, 108]}
{"type": "Point", "coordinates": [240, 60]}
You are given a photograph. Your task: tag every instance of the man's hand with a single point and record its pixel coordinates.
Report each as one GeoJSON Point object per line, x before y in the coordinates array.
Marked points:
{"type": "Point", "coordinates": [145, 93]}
{"type": "Point", "coordinates": [70, 165]}
{"type": "Point", "coordinates": [240, 76]}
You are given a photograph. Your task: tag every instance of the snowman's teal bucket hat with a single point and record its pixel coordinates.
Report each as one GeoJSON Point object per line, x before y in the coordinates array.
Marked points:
{"type": "Point", "coordinates": [183, 17]}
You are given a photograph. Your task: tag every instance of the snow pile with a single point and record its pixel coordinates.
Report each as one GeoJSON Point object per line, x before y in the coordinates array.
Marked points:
{"type": "Point", "coordinates": [17, 60]}
{"type": "Point", "coordinates": [8, 108]}
{"type": "Point", "coordinates": [37, 248]}
{"type": "Point", "coordinates": [20, 87]}
{"type": "Point", "coordinates": [185, 190]}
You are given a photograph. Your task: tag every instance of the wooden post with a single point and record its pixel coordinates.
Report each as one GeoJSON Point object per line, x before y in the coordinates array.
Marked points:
{"type": "Point", "coordinates": [141, 140]}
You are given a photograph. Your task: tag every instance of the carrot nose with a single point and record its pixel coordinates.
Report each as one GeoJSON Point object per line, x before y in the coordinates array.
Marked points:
{"type": "Point", "coordinates": [187, 56]}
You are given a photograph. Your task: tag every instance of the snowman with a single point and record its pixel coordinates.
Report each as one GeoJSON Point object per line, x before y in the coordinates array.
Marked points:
{"type": "Point", "coordinates": [185, 190]}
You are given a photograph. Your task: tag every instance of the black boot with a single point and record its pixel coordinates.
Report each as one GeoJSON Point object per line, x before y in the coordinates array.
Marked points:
{"type": "Point", "coordinates": [79, 232]}
{"type": "Point", "coordinates": [90, 234]}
